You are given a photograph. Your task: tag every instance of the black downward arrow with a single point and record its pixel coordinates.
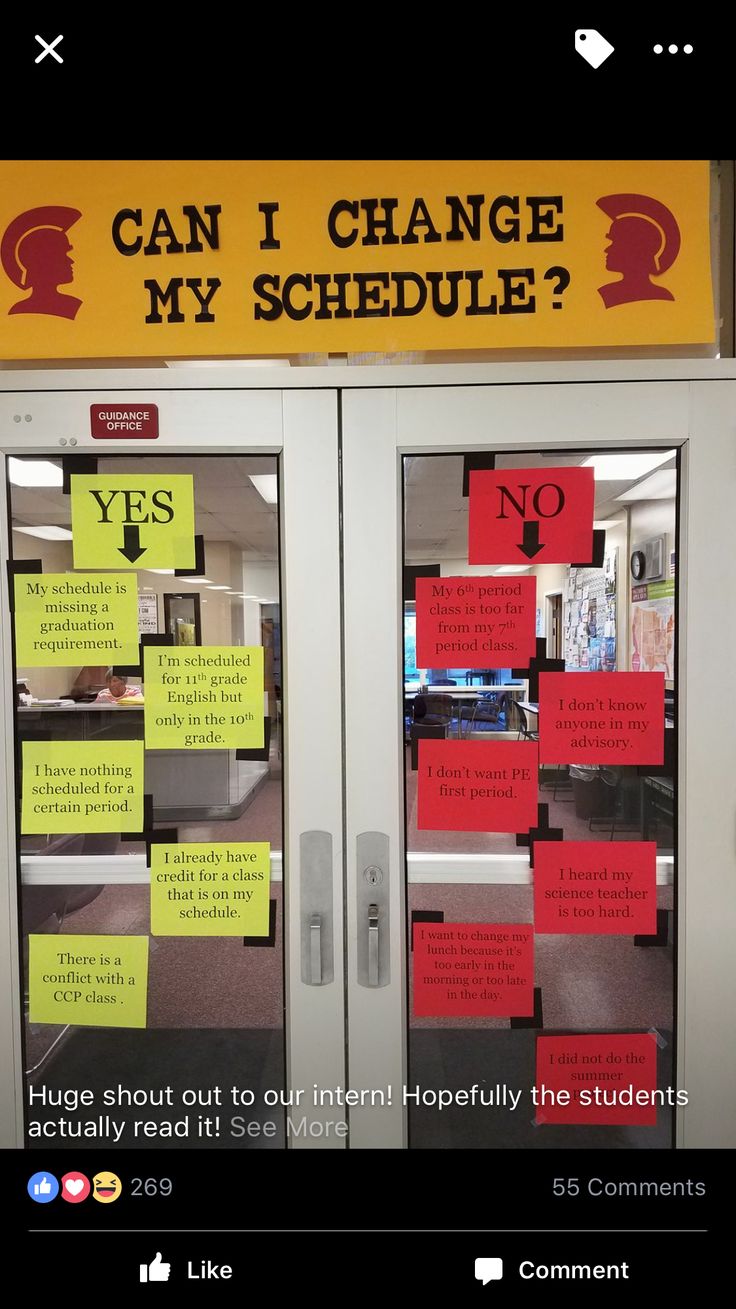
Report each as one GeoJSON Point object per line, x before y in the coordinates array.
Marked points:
{"type": "Point", "coordinates": [530, 544]}
{"type": "Point", "coordinates": [131, 547]}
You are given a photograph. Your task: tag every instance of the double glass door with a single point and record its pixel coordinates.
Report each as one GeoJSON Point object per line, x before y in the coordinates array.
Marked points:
{"type": "Point", "coordinates": [319, 926]}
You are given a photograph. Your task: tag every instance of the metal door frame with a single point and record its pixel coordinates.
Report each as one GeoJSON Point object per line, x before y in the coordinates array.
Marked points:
{"type": "Point", "coordinates": [49, 414]}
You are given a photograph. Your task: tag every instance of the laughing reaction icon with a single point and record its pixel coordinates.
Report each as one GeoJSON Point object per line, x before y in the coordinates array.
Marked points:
{"type": "Point", "coordinates": [106, 1187]}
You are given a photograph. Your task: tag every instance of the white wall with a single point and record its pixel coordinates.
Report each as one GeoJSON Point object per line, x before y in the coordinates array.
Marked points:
{"type": "Point", "coordinates": [651, 518]}
{"type": "Point", "coordinates": [221, 614]}
{"type": "Point", "coordinates": [262, 580]}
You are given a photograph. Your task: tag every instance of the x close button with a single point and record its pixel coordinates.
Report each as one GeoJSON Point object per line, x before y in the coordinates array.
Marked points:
{"type": "Point", "coordinates": [49, 48]}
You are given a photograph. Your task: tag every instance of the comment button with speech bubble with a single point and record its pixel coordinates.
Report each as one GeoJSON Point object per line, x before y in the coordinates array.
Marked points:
{"type": "Point", "coordinates": [488, 1270]}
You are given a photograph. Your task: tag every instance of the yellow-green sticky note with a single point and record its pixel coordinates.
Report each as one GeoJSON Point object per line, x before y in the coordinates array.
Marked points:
{"type": "Point", "coordinates": [88, 981]}
{"type": "Point", "coordinates": [203, 697]}
{"type": "Point", "coordinates": [82, 786]}
{"type": "Point", "coordinates": [75, 618]}
{"type": "Point", "coordinates": [199, 889]}
{"type": "Point", "coordinates": [133, 520]}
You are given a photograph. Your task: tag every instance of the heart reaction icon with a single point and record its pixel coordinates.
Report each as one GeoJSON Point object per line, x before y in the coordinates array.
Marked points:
{"type": "Point", "coordinates": [75, 1187]}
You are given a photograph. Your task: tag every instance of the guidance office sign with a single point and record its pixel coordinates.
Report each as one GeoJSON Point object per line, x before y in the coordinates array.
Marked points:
{"type": "Point", "coordinates": [177, 258]}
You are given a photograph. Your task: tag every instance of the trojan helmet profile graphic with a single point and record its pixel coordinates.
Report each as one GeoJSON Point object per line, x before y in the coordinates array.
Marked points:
{"type": "Point", "coordinates": [35, 254]}
{"type": "Point", "coordinates": [645, 242]}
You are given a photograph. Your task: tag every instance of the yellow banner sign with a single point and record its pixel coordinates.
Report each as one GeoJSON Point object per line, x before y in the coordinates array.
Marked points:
{"type": "Point", "coordinates": [88, 981]}
{"type": "Point", "coordinates": [199, 889]}
{"type": "Point", "coordinates": [231, 257]}
{"type": "Point", "coordinates": [133, 520]}
{"type": "Point", "coordinates": [75, 618]}
{"type": "Point", "coordinates": [204, 697]}
{"type": "Point", "coordinates": [82, 786]}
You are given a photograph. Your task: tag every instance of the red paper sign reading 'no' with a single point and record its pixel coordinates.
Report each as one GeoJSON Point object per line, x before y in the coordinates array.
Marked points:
{"type": "Point", "coordinates": [601, 718]}
{"type": "Point", "coordinates": [581, 1065]}
{"type": "Point", "coordinates": [531, 516]}
{"type": "Point", "coordinates": [478, 622]}
{"type": "Point", "coordinates": [477, 786]}
{"type": "Point", "coordinates": [473, 969]}
{"type": "Point", "coordinates": [596, 887]}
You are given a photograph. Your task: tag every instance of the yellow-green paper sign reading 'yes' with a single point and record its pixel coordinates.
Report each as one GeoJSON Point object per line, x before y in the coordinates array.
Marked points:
{"type": "Point", "coordinates": [200, 889]}
{"type": "Point", "coordinates": [75, 618]}
{"type": "Point", "coordinates": [133, 520]}
{"type": "Point", "coordinates": [82, 786]}
{"type": "Point", "coordinates": [88, 981]}
{"type": "Point", "coordinates": [207, 697]}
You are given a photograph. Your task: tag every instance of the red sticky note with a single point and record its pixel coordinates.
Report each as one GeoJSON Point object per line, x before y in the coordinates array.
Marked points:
{"type": "Point", "coordinates": [601, 718]}
{"type": "Point", "coordinates": [601, 1076]}
{"type": "Point", "coordinates": [470, 970]}
{"type": "Point", "coordinates": [477, 786]}
{"type": "Point", "coordinates": [531, 516]}
{"type": "Point", "coordinates": [478, 622]}
{"type": "Point", "coordinates": [605, 888]}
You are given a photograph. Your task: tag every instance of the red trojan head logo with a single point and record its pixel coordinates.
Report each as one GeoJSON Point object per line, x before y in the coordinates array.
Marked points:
{"type": "Point", "coordinates": [645, 242]}
{"type": "Point", "coordinates": [35, 254]}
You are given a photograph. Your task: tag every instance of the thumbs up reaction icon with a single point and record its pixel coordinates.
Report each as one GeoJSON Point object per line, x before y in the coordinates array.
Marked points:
{"type": "Point", "coordinates": [157, 1271]}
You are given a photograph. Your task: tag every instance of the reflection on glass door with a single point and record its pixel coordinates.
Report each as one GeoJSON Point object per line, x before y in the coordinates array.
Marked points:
{"type": "Point", "coordinates": [540, 875]}
{"type": "Point", "coordinates": [149, 761]}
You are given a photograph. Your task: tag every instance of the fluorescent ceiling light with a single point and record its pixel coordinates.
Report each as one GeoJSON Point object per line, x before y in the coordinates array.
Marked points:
{"type": "Point", "coordinates": [218, 588]}
{"type": "Point", "coordinates": [267, 486]}
{"type": "Point", "coordinates": [660, 486]}
{"type": "Point", "coordinates": [227, 363]}
{"type": "Point", "coordinates": [194, 580]}
{"type": "Point", "coordinates": [601, 524]}
{"type": "Point", "coordinates": [250, 597]}
{"type": "Point", "coordinates": [46, 533]}
{"type": "Point", "coordinates": [512, 568]}
{"type": "Point", "coordinates": [34, 472]}
{"type": "Point", "coordinates": [619, 468]}
{"type": "Point", "coordinates": [168, 572]}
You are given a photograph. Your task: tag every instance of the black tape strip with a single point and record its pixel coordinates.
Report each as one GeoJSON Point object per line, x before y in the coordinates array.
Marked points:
{"type": "Point", "coordinates": [542, 832]}
{"type": "Point", "coordinates": [410, 578]}
{"type": "Point", "coordinates": [424, 732]}
{"type": "Point", "coordinates": [539, 656]}
{"type": "Point", "coordinates": [425, 916]}
{"type": "Point", "coordinates": [599, 551]}
{"type": "Point", "coordinates": [158, 836]}
{"type": "Point", "coordinates": [661, 936]}
{"type": "Point", "coordinates": [263, 753]}
{"type": "Point", "coordinates": [199, 568]}
{"type": "Point", "coordinates": [76, 463]}
{"type": "Point", "coordinates": [537, 1018]}
{"type": "Point", "coordinates": [269, 940]}
{"type": "Point", "coordinates": [149, 638]}
{"type": "Point", "coordinates": [149, 834]}
{"type": "Point", "coordinates": [16, 568]}
{"type": "Point", "coordinates": [473, 462]}
{"type": "Point", "coordinates": [539, 663]}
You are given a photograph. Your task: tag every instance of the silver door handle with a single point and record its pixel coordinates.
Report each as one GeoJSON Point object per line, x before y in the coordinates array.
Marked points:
{"type": "Point", "coordinates": [316, 933]}
{"type": "Point", "coordinates": [315, 950]}
{"type": "Point", "coordinates": [373, 906]}
{"type": "Point", "coordinates": [373, 945]}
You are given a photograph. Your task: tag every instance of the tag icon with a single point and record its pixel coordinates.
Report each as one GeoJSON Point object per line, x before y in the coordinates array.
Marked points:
{"type": "Point", "coordinates": [594, 48]}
